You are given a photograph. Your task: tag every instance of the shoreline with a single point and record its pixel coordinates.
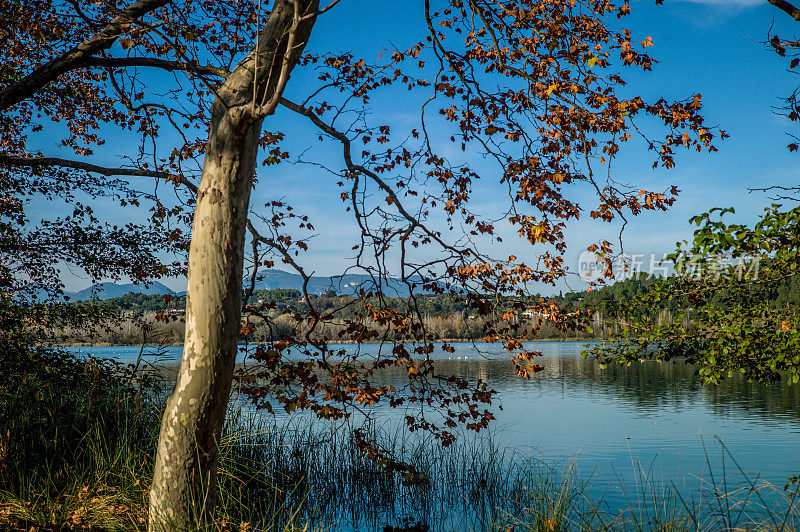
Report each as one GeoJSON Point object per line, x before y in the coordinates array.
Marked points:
{"type": "Point", "coordinates": [340, 342]}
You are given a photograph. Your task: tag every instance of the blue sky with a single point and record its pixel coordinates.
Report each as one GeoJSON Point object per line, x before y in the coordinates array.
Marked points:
{"type": "Point", "coordinates": [713, 47]}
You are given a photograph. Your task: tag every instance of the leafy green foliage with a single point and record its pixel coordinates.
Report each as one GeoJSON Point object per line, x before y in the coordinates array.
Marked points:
{"type": "Point", "coordinates": [50, 398]}
{"type": "Point", "coordinates": [736, 294]}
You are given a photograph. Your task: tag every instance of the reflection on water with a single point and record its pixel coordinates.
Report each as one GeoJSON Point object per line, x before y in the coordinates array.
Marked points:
{"type": "Point", "coordinates": [622, 420]}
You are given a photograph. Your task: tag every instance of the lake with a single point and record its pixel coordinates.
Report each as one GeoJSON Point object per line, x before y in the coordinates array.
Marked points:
{"type": "Point", "coordinates": [623, 425]}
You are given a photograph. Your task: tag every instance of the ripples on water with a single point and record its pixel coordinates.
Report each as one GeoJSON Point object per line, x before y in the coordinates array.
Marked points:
{"type": "Point", "coordinates": [621, 425]}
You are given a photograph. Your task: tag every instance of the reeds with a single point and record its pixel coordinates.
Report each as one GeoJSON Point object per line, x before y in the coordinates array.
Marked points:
{"type": "Point", "coordinates": [134, 327]}
{"type": "Point", "coordinates": [322, 475]}
{"type": "Point", "coordinates": [478, 484]}
{"type": "Point", "coordinates": [78, 455]}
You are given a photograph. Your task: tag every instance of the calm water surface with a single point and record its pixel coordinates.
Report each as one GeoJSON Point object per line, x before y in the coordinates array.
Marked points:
{"type": "Point", "coordinates": [618, 422]}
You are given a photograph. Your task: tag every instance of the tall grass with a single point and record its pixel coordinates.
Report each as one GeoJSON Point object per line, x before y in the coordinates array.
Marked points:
{"type": "Point", "coordinates": [77, 441]}
{"type": "Point", "coordinates": [479, 484]}
{"type": "Point", "coordinates": [76, 445]}
{"type": "Point", "coordinates": [473, 484]}
{"type": "Point", "coordinates": [132, 326]}
{"type": "Point", "coordinates": [129, 328]}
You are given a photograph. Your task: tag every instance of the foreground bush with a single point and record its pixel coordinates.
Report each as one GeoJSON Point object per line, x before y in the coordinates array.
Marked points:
{"type": "Point", "coordinates": [76, 440]}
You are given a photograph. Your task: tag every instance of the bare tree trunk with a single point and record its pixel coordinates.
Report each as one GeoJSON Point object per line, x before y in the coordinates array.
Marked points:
{"type": "Point", "coordinates": [184, 478]}
{"type": "Point", "coordinates": [184, 482]}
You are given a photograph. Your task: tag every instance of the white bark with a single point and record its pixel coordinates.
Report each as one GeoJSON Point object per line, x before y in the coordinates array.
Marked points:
{"type": "Point", "coordinates": [184, 483]}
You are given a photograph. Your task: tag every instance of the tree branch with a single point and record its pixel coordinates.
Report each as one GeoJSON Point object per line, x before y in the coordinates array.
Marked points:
{"type": "Point", "coordinates": [787, 7]}
{"type": "Point", "coordinates": [36, 162]}
{"type": "Point", "coordinates": [164, 64]}
{"type": "Point", "coordinates": [360, 169]}
{"type": "Point", "coordinates": [75, 57]}
{"type": "Point", "coordinates": [321, 11]}
{"type": "Point", "coordinates": [287, 258]}
{"type": "Point", "coordinates": [287, 64]}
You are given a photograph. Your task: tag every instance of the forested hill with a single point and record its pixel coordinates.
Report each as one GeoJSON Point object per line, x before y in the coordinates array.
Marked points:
{"type": "Point", "coordinates": [785, 293]}
{"type": "Point", "coordinates": [291, 300]}
{"type": "Point", "coordinates": [285, 299]}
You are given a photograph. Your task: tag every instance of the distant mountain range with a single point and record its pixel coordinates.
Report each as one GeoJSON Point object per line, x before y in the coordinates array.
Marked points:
{"type": "Point", "coordinates": [346, 284]}
{"type": "Point", "coordinates": [112, 290]}
{"type": "Point", "coordinates": [270, 280]}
